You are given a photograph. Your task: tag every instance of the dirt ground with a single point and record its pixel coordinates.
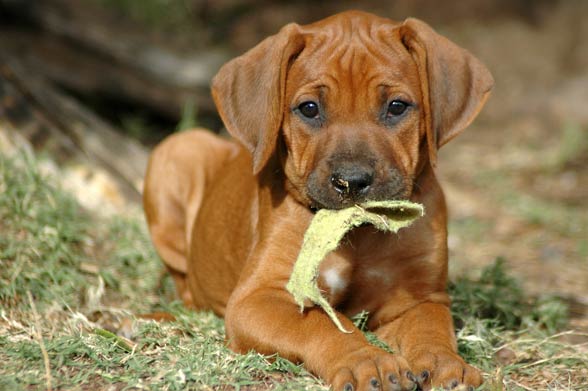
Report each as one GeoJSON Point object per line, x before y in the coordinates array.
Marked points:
{"type": "Point", "coordinates": [517, 180]}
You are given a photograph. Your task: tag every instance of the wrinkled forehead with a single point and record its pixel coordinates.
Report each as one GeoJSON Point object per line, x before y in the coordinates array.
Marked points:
{"type": "Point", "coordinates": [354, 52]}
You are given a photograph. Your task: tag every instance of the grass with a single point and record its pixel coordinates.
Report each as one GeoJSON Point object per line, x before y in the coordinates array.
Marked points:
{"type": "Point", "coordinates": [84, 274]}
{"type": "Point", "coordinates": [69, 278]}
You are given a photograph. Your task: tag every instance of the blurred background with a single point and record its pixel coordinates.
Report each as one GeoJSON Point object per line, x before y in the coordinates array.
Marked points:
{"type": "Point", "coordinates": [94, 84]}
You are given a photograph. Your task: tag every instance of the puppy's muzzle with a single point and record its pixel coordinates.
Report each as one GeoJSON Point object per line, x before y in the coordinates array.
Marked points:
{"type": "Point", "coordinates": [344, 183]}
{"type": "Point", "coordinates": [352, 181]}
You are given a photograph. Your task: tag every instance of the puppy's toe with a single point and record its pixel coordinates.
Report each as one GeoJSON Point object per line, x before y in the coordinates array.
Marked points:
{"type": "Point", "coordinates": [373, 370]}
{"type": "Point", "coordinates": [443, 368]}
{"type": "Point", "coordinates": [395, 373]}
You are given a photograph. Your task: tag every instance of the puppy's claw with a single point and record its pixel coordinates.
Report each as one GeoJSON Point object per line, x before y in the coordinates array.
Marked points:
{"type": "Point", "coordinates": [411, 376]}
{"type": "Point", "coordinates": [375, 384]}
{"type": "Point", "coordinates": [394, 383]}
{"type": "Point", "coordinates": [424, 376]}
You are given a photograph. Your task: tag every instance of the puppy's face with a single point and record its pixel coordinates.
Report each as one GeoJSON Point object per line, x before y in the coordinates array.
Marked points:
{"type": "Point", "coordinates": [359, 102]}
{"type": "Point", "coordinates": [352, 123]}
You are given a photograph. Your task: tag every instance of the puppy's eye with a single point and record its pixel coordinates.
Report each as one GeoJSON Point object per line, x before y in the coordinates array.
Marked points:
{"type": "Point", "coordinates": [396, 108]}
{"type": "Point", "coordinates": [309, 109]}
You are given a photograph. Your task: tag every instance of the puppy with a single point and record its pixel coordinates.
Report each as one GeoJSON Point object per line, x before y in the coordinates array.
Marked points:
{"type": "Point", "coordinates": [348, 109]}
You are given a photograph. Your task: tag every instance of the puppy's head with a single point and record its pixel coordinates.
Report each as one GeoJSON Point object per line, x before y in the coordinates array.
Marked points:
{"type": "Point", "coordinates": [360, 104]}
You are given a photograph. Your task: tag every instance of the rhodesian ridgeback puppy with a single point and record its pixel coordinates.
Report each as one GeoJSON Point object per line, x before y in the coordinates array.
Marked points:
{"type": "Point", "coordinates": [326, 115]}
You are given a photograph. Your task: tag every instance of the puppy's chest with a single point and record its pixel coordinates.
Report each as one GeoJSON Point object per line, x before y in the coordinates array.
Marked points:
{"type": "Point", "coordinates": [356, 271]}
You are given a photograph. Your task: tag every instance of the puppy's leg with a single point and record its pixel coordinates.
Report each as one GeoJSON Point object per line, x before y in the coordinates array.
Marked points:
{"type": "Point", "coordinates": [268, 321]}
{"type": "Point", "coordinates": [263, 316]}
{"type": "Point", "coordinates": [178, 171]}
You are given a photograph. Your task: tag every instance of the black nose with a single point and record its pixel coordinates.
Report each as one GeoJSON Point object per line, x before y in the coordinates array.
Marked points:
{"type": "Point", "coordinates": [351, 180]}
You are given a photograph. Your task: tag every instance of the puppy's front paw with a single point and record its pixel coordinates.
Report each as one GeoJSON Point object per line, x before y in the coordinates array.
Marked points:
{"type": "Point", "coordinates": [440, 367]}
{"type": "Point", "coordinates": [372, 369]}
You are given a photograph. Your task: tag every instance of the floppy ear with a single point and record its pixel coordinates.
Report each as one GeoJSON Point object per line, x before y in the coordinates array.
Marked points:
{"type": "Point", "coordinates": [454, 84]}
{"type": "Point", "coordinates": [249, 92]}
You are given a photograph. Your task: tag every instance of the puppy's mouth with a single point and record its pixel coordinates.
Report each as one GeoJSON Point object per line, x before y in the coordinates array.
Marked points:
{"type": "Point", "coordinates": [316, 205]}
{"type": "Point", "coordinates": [334, 192]}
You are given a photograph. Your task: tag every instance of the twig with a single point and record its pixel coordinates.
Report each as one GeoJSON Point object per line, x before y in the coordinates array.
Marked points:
{"type": "Point", "coordinates": [39, 337]}
{"type": "Point", "coordinates": [550, 359]}
{"type": "Point", "coordinates": [521, 385]}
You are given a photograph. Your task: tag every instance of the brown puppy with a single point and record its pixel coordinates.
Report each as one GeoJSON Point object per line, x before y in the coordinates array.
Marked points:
{"type": "Point", "coordinates": [348, 109]}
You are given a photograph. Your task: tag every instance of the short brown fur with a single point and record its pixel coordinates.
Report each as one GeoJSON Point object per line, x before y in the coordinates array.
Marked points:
{"type": "Point", "coordinates": [228, 217]}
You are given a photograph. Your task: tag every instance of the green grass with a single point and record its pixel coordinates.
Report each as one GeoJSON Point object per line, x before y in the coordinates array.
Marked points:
{"type": "Point", "coordinates": [82, 274]}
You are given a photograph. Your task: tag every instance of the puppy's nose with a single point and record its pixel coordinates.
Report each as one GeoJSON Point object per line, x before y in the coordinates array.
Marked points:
{"type": "Point", "coordinates": [351, 181]}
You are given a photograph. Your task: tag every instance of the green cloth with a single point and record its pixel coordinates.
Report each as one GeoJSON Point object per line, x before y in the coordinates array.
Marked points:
{"type": "Point", "coordinates": [324, 234]}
